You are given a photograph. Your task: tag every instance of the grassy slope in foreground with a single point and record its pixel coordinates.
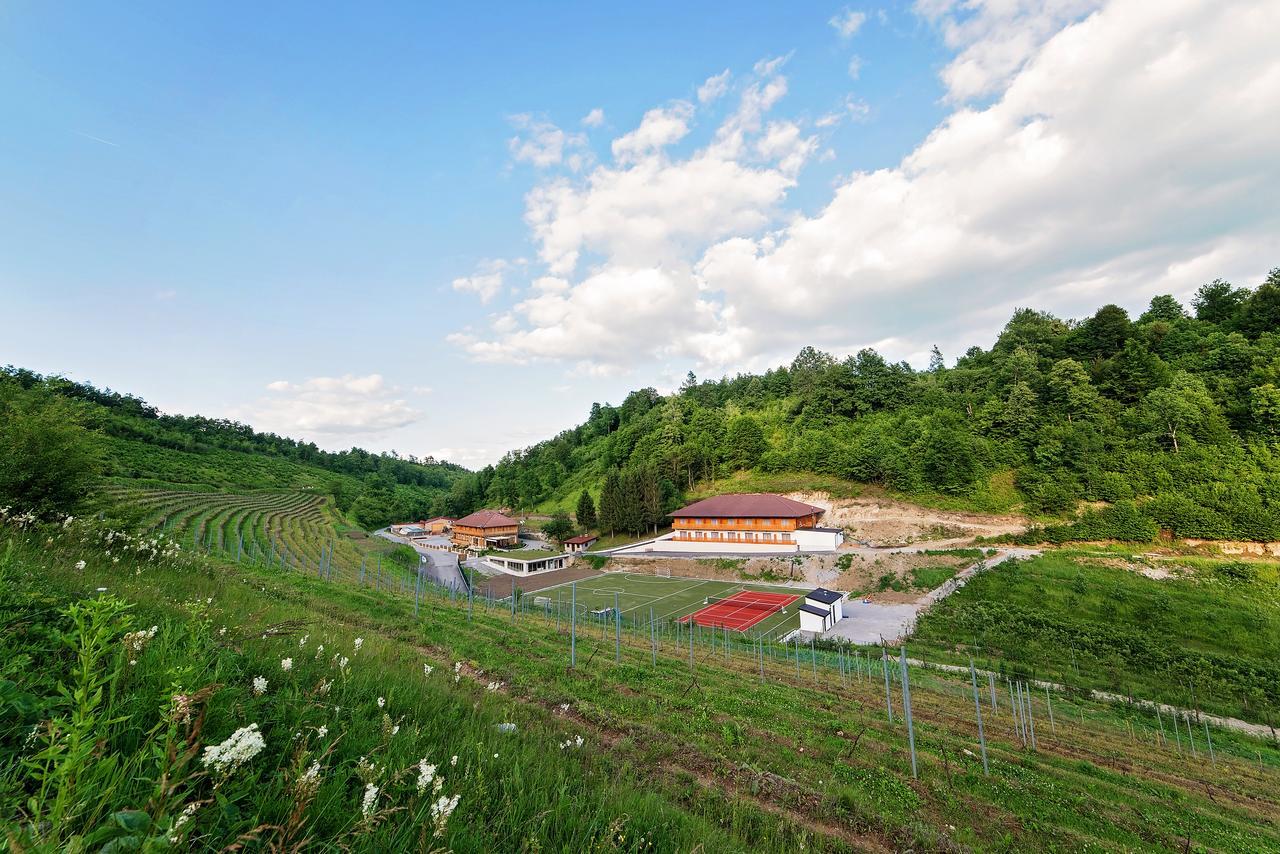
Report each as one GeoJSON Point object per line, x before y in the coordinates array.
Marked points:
{"type": "Point", "coordinates": [668, 764]}
{"type": "Point", "coordinates": [1209, 639]}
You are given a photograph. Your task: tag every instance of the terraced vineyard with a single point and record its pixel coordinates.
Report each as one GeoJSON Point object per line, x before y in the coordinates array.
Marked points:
{"type": "Point", "coordinates": [298, 529]}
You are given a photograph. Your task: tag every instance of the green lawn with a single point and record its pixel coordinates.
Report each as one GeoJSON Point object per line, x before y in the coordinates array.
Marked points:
{"type": "Point", "coordinates": [669, 598]}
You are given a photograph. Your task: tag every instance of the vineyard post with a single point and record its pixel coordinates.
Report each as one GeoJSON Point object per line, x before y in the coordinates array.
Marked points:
{"type": "Point", "coordinates": [977, 708]}
{"type": "Point", "coordinates": [888, 695]}
{"type": "Point", "coordinates": [1160, 720]}
{"type": "Point", "coordinates": [653, 637]}
{"type": "Point", "coordinates": [1208, 739]}
{"type": "Point", "coordinates": [906, 708]}
{"type": "Point", "coordinates": [991, 680]}
{"type": "Point", "coordinates": [1053, 726]}
{"type": "Point", "coordinates": [1031, 718]}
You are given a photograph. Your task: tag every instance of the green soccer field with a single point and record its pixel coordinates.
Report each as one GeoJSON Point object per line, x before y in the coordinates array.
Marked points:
{"type": "Point", "coordinates": [669, 598]}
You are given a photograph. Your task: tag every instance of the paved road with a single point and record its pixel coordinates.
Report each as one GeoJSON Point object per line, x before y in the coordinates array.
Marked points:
{"type": "Point", "coordinates": [441, 567]}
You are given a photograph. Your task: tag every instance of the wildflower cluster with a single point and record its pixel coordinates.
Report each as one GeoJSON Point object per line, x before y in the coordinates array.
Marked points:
{"type": "Point", "coordinates": [286, 664]}
{"type": "Point", "coordinates": [259, 685]}
{"type": "Point", "coordinates": [183, 819]}
{"type": "Point", "coordinates": [309, 782]}
{"type": "Point", "coordinates": [136, 642]}
{"type": "Point", "coordinates": [574, 743]}
{"type": "Point", "coordinates": [444, 805]}
{"type": "Point", "coordinates": [243, 744]}
{"type": "Point", "coordinates": [440, 812]}
{"type": "Point", "coordinates": [506, 728]}
{"type": "Point", "coordinates": [370, 800]}
{"type": "Point", "coordinates": [182, 708]}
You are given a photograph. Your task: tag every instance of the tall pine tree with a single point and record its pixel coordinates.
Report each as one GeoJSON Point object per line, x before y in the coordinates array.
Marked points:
{"type": "Point", "coordinates": [586, 514]}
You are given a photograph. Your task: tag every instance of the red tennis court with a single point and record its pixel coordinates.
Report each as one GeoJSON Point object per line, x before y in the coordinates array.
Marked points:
{"type": "Point", "coordinates": [740, 611]}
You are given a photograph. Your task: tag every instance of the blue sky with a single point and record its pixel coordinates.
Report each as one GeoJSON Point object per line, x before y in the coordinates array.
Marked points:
{"type": "Point", "coordinates": [392, 227]}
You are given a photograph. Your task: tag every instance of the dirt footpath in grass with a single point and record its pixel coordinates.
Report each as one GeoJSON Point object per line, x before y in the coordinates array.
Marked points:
{"type": "Point", "coordinates": [885, 522]}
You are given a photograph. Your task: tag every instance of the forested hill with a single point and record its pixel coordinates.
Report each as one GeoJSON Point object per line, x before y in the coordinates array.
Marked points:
{"type": "Point", "coordinates": [127, 440]}
{"type": "Point", "coordinates": [1172, 418]}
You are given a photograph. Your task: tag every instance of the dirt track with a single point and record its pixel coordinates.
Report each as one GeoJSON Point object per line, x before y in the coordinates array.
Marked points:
{"type": "Point", "coordinates": [884, 522]}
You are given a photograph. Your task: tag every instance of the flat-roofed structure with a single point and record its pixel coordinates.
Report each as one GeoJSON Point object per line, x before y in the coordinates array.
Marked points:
{"type": "Point", "coordinates": [486, 529]}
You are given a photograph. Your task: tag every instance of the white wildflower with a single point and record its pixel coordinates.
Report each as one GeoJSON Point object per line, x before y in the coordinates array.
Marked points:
{"type": "Point", "coordinates": [426, 773]}
{"type": "Point", "coordinates": [310, 780]}
{"type": "Point", "coordinates": [80, 564]}
{"type": "Point", "coordinates": [175, 832]}
{"type": "Point", "coordinates": [395, 730]}
{"type": "Point", "coordinates": [325, 686]}
{"type": "Point", "coordinates": [426, 669]}
{"type": "Point", "coordinates": [242, 745]}
{"type": "Point", "coordinates": [370, 799]}
{"type": "Point", "coordinates": [302, 641]}
{"type": "Point", "coordinates": [382, 702]}
{"type": "Point", "coordinates": [359, 643]}
{"type": "Point", "coordinates": [322, 731]}
{"type": "Point", "coordinates": [507, 727]}
{"type": "Point", "coordinates": [493, 686]}
{"type": "Point", "coordinates": [259, 685]}
{"type": "Point", "coordinates": [286, 664]}
{"type": "Point", "coordinates": [453, 761]}
{"type": "Point", "coordinates": [440, 812]}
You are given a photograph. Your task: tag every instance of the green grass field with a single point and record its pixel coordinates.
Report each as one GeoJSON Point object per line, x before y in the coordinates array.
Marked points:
{"type": "Point", "coordinates": [733, 754]}
{"type": "Point", "coordinates": [669, 598]}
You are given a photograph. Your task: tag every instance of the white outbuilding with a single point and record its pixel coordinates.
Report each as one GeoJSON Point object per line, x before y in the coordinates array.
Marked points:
{"type": "Point", "coordinates": [821, 610]}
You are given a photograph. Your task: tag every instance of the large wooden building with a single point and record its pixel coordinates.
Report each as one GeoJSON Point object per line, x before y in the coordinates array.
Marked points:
{"type": "Point", "coordinates": [486, 529]}
{"type": "Point", "coordinates": [747, 523]}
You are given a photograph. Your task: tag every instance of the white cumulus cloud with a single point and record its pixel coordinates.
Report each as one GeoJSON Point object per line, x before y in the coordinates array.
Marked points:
{"type": "Point", "coordinates": [847, 22]}
{"type": "Point", "coordinates": [1116, 151]}
{"type": "Point", "coordinates": [541, 143]}
{"type": "Point", "coordinates": [326, 406]}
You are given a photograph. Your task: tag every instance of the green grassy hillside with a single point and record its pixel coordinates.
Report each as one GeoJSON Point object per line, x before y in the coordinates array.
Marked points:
{"type": "Point", "coordinates": [1205, 636]}
{"type": "Point", "coordinates": [106, 742]}
{"type": "Point", "coordinates": [1174, 415]}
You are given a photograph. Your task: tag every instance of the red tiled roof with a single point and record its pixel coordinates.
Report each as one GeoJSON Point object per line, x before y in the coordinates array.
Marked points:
{"type": "Point", "coordinates": [485, 519]}
{"type": "Point", "coordinates": [751, 505]}
{"type": "Point", "coordinates": [582, 538]}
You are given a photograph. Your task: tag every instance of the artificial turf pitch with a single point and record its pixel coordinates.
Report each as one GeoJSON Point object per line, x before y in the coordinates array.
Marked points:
{"type": "Point", "coordinates": [669, 598]}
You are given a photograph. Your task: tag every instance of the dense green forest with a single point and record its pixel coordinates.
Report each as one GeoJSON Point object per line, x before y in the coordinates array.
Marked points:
{"type": "Point", "coordinates": [1171, 419]}
{"type": "Point", "coordinates": [59, 438]}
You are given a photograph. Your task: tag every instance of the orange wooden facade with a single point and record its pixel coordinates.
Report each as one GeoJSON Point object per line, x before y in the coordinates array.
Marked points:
{"type": "Point", "coordinates": [465, 535]}
{"type": "Point", "coordinates": [740, 530]}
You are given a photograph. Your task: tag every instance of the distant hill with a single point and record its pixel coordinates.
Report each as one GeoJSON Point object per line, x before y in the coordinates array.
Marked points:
{"type": "Point", "coordinates": [1170, 419]}
{"type": "Point", "coordinates": [138, 446]}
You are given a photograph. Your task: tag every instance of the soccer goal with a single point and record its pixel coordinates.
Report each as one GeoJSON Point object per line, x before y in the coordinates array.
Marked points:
{"type": "Point", "coordinates": [662, 573]}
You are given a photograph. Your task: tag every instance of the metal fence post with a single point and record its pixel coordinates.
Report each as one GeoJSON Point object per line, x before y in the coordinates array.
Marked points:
{"type": "Point", "coordinates": [888, 695]}
{"type": "Point", "coordinates": [906, 708]}
{"type": "Point", "coordinates": [977, 708]}
{"type": "Point", "coordinates": [573, 624]}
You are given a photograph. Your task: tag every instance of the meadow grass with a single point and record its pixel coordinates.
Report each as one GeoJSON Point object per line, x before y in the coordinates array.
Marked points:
{"type": "Point", "coordinates": [716, 759]}
{"type": "Point", "coordinates": [1206, 640]}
